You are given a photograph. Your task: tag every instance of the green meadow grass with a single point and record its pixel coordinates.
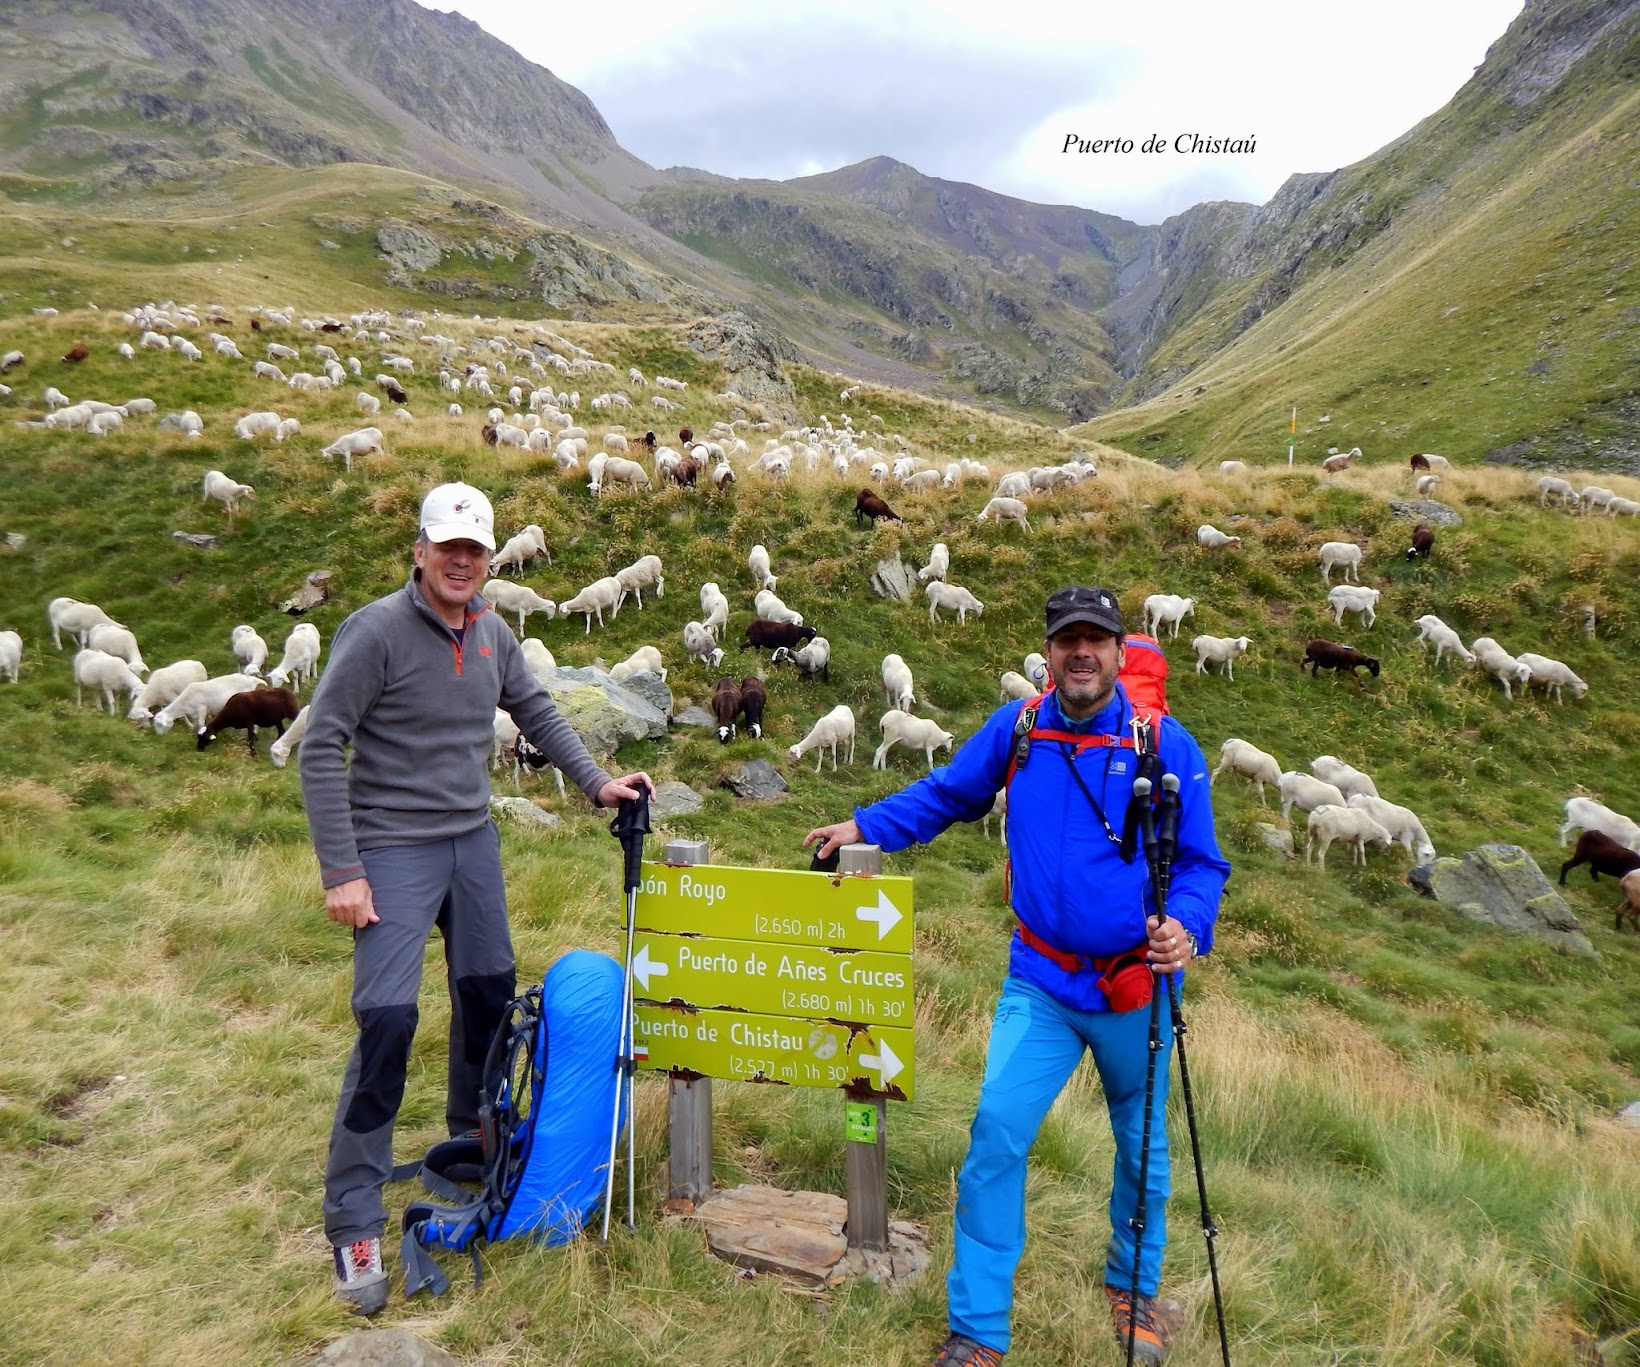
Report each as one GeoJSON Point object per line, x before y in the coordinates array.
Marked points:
{"type": "Point", "coordinates": [1406, 1118]}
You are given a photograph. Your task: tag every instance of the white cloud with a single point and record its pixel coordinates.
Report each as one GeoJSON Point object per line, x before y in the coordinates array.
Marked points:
{"type": "Point", "coordinates": [986, 93]}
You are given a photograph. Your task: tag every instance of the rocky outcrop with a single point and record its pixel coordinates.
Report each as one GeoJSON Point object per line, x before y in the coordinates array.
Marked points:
{"type": "Point", "coordinates": [750, 356]}
{"type": "Point", "coordinates": [1426, 510]}
{"type": "Point", "coordinates": [674, 799]}
{"type": "Point", "coordinates": [521, 811]}
{"type": "Point", "coordinates": [756, 779]}
{"type": "Point", "coordinates": [1502, 886]}
{"type": "Point", "coordinates": [604, 714]}
{"type": "Point", "coordinates": [383, 1348]}
{"type": "Point", "coordinates": [893, 578]}
{"type": "Point", "coordinates": [407, 246]}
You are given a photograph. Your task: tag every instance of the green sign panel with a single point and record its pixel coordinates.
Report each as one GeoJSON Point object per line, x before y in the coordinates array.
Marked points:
{"type": "Point", "coordinates": [776, 979]}
{"type": "Point", "coordinates": [860, 1122]}
{"type": "Point", "coordinates": [750, 1047]}
{"type": "Point", "coordinates": [777, 905]}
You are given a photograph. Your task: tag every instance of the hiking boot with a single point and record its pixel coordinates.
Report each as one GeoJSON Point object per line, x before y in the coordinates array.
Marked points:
{"type": "Point", "coordinates": [1150, 1329]}
{"type": "Point", "coordinates": [962, 1351]}
{"type": "Point", "coordinates": [360, 1278]}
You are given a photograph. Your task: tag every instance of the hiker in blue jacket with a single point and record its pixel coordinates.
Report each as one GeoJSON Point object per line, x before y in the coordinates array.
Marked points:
{"type": "Point", "coordinates": [1078, 974]}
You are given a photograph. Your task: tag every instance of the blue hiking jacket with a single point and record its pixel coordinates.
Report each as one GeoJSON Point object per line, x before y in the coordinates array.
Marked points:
{"type": "Point", "coordinates": [1070, 885]}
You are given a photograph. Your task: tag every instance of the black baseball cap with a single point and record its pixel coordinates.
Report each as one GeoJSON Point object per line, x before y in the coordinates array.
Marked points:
{"type": "Point", "coordinates": [1096, 607]}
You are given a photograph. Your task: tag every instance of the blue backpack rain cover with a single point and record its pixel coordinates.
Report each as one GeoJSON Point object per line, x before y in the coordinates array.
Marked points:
{"type": "Point", "coordinates": [540, 1157]}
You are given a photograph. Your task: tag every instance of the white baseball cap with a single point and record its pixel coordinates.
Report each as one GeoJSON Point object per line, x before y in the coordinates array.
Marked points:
{"type": "Point", "coordinates": [456, 512]}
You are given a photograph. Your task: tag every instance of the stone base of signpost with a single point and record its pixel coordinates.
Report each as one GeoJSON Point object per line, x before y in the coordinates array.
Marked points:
{"type": "Point", "coordinates": [802, 1235]}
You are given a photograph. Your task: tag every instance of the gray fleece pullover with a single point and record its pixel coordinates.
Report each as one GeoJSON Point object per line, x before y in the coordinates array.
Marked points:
{"type": "Point", "coordinates": [419, 712]}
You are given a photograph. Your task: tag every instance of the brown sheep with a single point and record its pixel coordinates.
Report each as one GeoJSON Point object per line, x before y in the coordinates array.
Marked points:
{"type": "Point", "coordinates": [1423, 539]}
{"type": "Point", "coordinates": [246, 711]}
{"type": "Point", "coordinates": [725, 707]}
{"type": "Point", "coordinates": [1603, 855]}
{"type": "Point", "coordinates": [1630, 905]}
{"type": "Point", "coordinates": [753, 699]}
{"type": "Point", "coordinates": [1419, 462]}
{"type": "Point", "coordinates": [1319, 655]}
{"type": "Point", "coordinates": [76, 353]}
{"type": "Point", "coordinates": [868, 503]}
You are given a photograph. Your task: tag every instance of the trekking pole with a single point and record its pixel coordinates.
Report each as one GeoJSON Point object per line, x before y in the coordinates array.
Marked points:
{"type": "Point", "coordinates": [1167, 846]}
{"type": "Point", "coordinates": [1147, 833]}
{"type": "Point", "coordinates": [630, 825]}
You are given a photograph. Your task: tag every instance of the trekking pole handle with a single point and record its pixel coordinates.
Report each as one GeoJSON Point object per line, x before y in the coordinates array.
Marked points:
{"type": "Point", "coordinates": [630, 825]}
{"type": "Point", "coordinates": [1142, 789]}
{"type": "Point", "coordinates": [1167, 827]}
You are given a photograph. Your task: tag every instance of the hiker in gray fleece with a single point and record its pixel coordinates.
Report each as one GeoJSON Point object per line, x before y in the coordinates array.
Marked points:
{"type": "Point", "coordinates": [405, 843]}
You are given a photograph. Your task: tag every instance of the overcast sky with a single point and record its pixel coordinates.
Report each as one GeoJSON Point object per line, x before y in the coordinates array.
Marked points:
{"type": "Point", "coordinates": [987, 92]}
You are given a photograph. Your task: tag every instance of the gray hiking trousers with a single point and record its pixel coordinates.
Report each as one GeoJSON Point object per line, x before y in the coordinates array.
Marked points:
{"type": "Point", "coordinates": [455, 885]}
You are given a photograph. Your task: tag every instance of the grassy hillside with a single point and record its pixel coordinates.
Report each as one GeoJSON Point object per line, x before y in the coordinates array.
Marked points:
{"type": "Point", "coordinates": [1406, 1118]}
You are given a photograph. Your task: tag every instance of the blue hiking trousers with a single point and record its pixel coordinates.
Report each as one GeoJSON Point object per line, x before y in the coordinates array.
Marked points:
{"type": "Point", "coordinates": [1036, 1043]}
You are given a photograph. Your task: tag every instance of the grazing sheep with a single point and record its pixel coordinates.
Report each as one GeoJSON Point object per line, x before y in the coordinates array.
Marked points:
{"type": "Point", "coordinates": [699, 644]}
{"type": "Point", "coordinates": [517, 551]}
{"type": "Point", "coordinates": [1306, 792]}
{"type": "Point", "coordinates": [1585, 814]}
{"type": "Point", "coordinates": [10, 361]}
{"type": "Point", "coordinates": [538, 659]}
{"type": "Point", "coordinates": [1211, 538]}
{"type": "Point", "coordinates": [1345, 553]}
{"type": "Point", "coordinates": [113, 639]}
{"type": "Point", "coordinates": [506, 596]}
{"type": "Point", "coordinates": [1553, 485]}
{"type": "Point", "coordinates": [225, 491]}
{"type": "Point", "coordinates": [753, 699]}
{"type": "Point", "coordinates": [262, 424]}
{"type": "Point", "coordinates": [1219, 650]}
{"type": "Point", "coordinates": [367, 402]}
{"type": "Point", "coordinates": [1015, 484]}
{"type": "Point", "coordinates": [593, 599]}
{"type": "Point", "coordinates": [11, 654]}
{"type": "Point", "coordinates": [1594, 496]}
{"type": "Point", "coordinates": [644, 658]}
{"type": "Point", "coordinates": [1003, 510]}
{"type": "Point", "coordinates": [1327, 824]}
{"type": "Point", "coordinates": [74, 617]}
{"type": "Point", "coordinates": [832, 731]}
{"type": "Point", "coordinates": [952, 597]}
{"type": "Point", "coordinates": [1015, 685]}
{"type": "Point", "coordinates": [248, 710]}
{"type": "Point", "coordinates": [714, 606]}
{"type": "Point", "coordinates": [769, 608]}
{"type": "Point", "coordinates": [939, 563]}
{"type": "Point", "coordinates": [1603, 855]}
{"type": "Point", "coordinates": [1320, 654]}
{"type": "Point", "coordinates": [762, 635]}
{"type": "Point", "coordinates": [1243, 757]}
{"type": "Point", "coordinates": [1552, 675]}
{"type": "Point", "coordinates": [811, 659]}
{"type": "Point", "coordinates": [1232, 467]}
{"type": "Point", "coordinates": [1630, 905]}
{"type": "Point", "coordinates": [1423, 540]}
{"type": "Point", "coordinates": [1402, 824]}
{"type": "Point", "coordinates": [869, 504]}
{"type": "Point", "coordinates": [300, 661]}
{"type": "Point", "coordinates": [639, 575]}
{"type": "Point", "coordinates": [163, 687]}
{"type": "Point", "coordinates": [620, 470]}
{"type": "Point", "coordinates": [1425, 485]}
{"type": "Point", "coordinates": [1035, 668]}
{"type": "Point", "coordinates": [366, 441]}
{"type": "Point", "coordinates": [279, 751]}
{"type": "Point", "coordinates": [1496, 661]}
{"type": "Point", "coordinates": [1164, 608]}
{"type": "Point", "coordinates": [1432, 629]}
{"type": "Point", "coordinates": [1341, 461]}
{"type": "Point", "coordinates": [1353, 598]}
{"type": "Point", "coordinates": [898, 686]}
{"type": "Point", "coordinates": [916, 733]}
{"type": "Point", "coordinates": [725, 706]}
{"type": "Point", "coordinates": [1344, 777]}
{"type": "Point", "coordinates": [108, 674]}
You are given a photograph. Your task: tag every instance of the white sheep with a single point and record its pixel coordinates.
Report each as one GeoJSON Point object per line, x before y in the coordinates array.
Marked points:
{"type": "Point", "coordinates": [1004, 510]}
{"type": "Point", "coordinates": [113, 639]}
{"type": "Point", "coordinates": [714, 604]}
{"type": "Point", "coordinates": [1344, 777]}
{"type": "Point", "coordinates": [953, 598]}
{"type": "Point", "coordinates": [366, 441]}
{"type": "Point", "coordinates": [300, 662]}
{"type": "Point", "coordinates": [1245, 758]}
{"type": "Point", "coordinates": [699, 644]}
{"type": "Point", "coordinates": [1232, 467]}
{"type": "Point", "coordinates": [939, 563]}
{"type": "Point", "coordinates": [758, 563]}
{"type": "Point", "coordinates": [1551, 675]}
{"type": "Point", "coordinates": [1035, 668]}
{"type": "Point", "coordinates": [1306, 792]}
{"type": "Point", "coordinates": [108, 674]}
{"type": "Point", "coordinates": [898, 686]}
{"type": "Point", "coordinates": [1344, 598]}
{"type": "Point", "coordinates": [1496, 661]}
{"type": "Point", "coordinates": [593, 599]}
{"type": "Point", "coordinates": [1164, 608]}
{"type": "Point", "coordinates": [1435, 462]}
{"type": "Point", "coordinates": [154, 341]}
{"type": "Point", "coordinates": [1341, 460]}
{"type": "Point", "coordinates": [1594, 496]}
{"type": "Point", "coordinates": [1219, 650]}
{"type": "Point", "coordinates": [518, 550]}
{"type": "Point", "coordinates": [74, 617]}
{"type": "Point", "coordinates": [507, 435]}
{"type": "Point", "coordinates": [262, 424]}
{"type": "Point", "coordinates": [101, 424]}
{"type": "Point", "coordinates": [1345, 553]}
{"type": "Point", "coordinates": [267, 370]}
{"type": "Point", "coordinates": [769, 608]}
{"type": "Point", "coordinates": [916, 733]}
{"type": "Point", "coordinates": [1211, 538]}
{"type": "Point", "coordinates": [225, 491]}
{"type": "Point", "coordinates": [1627, 506]}
{"type": "Point", "coordinates": [1585, 814]}
{"type": "Point", "coordinates": [620, 470]}
{"type": "Point", "coordinates": [506, 596]}
{"type": "Point", "coordinates": [1425, 485]}
{"type": "Point", "coordinates": [832, 731]}
{"type": "Point", "coordinates": [1432, 629]}
{"type": "Point", "coordinates": [1014, 484]}
{"type": "Point", "coordinates": [538, 659]}
{"type": "Point", "coordinates": [280, 750]}
{"type": "Point", "coordinates": [163, 687]}
{"type": "Point", "coordinates": [644, 658]}
{"type": "Point", "coordinates": [809, 660]}
{"type": "Point", "coordinates": [639, 575]}
{"type": "Point", "coordinates": [1015, 685]}
{"type": "Point", "coordinates": [1401, 823]}
{"type": "Point", "coordinates": [11, 654]}
{"type": "Point", "coordinates": [1350, 824]}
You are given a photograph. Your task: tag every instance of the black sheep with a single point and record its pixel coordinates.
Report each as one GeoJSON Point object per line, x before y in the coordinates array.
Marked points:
{"type": "Point", "coordinates": [753, 699]}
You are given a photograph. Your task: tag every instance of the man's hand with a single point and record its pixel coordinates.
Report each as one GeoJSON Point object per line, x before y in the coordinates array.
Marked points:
{"type": "Point", "coordinates": [833, 837]}
{"type": "Point", "coordinates": [613, 793]}
{"type": "Point", "coordinates": [351, 904]}
{"type": "Point", "coordinates": [1169, 945]}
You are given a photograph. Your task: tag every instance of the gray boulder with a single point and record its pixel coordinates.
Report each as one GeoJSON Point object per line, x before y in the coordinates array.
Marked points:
{"type": "Point", "coordinates": [1426, 510]}
{"type": "Point", "coordinates": [1502, 886]}
{"type": "Point", "coordinates": [525, 813]}
{"type": "Point", "coordinates": [408, 246]}
{"type": "Point", "coordinates": [694, 715]}
{"type": "Point", "coordinates": [674, 799]}
{"type": "Point", "coordinates": [757, 779]}
{"type": "Point", "coordinates": [1278, 839]}
{"type": "Point", "coordinates": [201, 539]}
{"type": "Point", "coordinates": [894, 579]}
{"type": "Point", "coordinates": [605, 714]}
{"type": "Point", "coordinates": [652, 689]}
{"type": "Point", "coordinates": [384, 1348]}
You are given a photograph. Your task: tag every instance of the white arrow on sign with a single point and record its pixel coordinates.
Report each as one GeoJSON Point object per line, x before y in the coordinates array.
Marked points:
{"type": "Point", "coordinates": [885, 914]}
{"type": "Point", "coordinates": [886, 1063]}
{"type": "Point", "coordinates": [644, 968]}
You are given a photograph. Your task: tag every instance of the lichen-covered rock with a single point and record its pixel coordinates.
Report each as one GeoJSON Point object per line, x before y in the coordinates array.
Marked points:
{"type": "Point", "coordinates": [604, 714]}
{"type": "Point", "coordinates": [651, 688]}
{"type": "Point", "coordinates": [756, 779]}
{"type": "Point", "coordinates": [894, 579]}
{"type": "Point", "coordinates": [674, 799]}
{"type": "Point", "coordinates": [525, 813]}
{"type": "Point", "coordinates": [409, 247]}
{"type": "Point", "coordinates": [1502, 886]}
{"type": "Point", "coordinates": [751, 356]}
{"type": "Point", "coordinates": [1426, 510]}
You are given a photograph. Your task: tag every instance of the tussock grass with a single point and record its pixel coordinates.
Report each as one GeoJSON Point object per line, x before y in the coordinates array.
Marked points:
{"type": "Point", "coordinates": [1405, 1118]}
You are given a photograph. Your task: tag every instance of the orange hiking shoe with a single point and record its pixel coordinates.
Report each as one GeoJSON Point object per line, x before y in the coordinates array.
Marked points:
{"type": "Point", "coordinates": [361, 1280]}
{"type": "Point", "coordinates": [1150, 1329]}
{"type": "Point", "coordinates": [962, 1351]}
